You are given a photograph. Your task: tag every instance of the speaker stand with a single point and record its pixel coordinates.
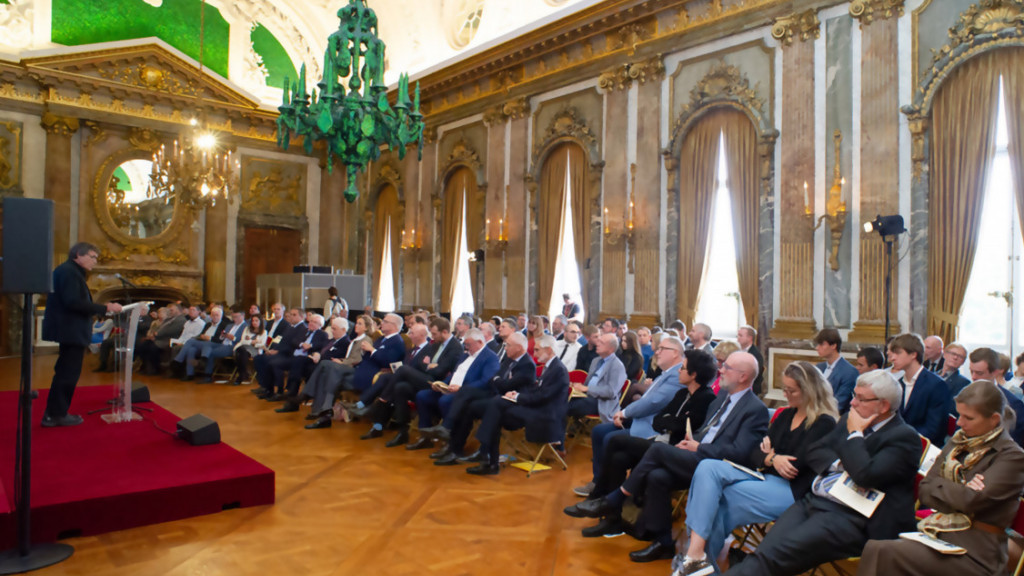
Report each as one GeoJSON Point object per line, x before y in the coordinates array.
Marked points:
{"type": "Point", "coordinates": [27, 557]}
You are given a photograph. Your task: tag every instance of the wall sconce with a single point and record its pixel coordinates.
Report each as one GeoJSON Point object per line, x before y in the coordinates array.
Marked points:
{"type": "Point", "coordinates": [410, 242]}
{"type": "Point", "coordinates": [499, 243]}
{"type": "Point", "coordinates": [835, 207]}
{"type": "Point", "coordinates": [626, 234]}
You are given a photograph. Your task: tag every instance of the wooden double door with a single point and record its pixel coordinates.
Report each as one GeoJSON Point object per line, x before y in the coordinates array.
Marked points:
{"type": "Point", "coordinates": [267, 251]}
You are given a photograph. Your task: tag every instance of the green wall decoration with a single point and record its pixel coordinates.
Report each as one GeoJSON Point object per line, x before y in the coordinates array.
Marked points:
{"type": "Point", "coordinates": [275, 57]}
{"type": "Point", "coordinates": [79, 22]}
{"type": "Point", "coordinates": [123, 183]}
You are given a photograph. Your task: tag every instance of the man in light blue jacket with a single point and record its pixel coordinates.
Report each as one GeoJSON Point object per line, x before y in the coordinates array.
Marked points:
{"type": "Point", "coordinates": [604, 382]}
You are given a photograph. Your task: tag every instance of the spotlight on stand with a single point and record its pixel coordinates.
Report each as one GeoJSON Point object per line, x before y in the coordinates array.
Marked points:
{"type": "Point", "coordinates": [476, 256]}
{"type": "Point", "coordinates": [886, 225]}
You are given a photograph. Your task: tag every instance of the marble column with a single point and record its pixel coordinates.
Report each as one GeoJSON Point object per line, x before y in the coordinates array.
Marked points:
{"type": "Point", "coordinates": [494, 210]}
{"type": "Point", "coordinates": [429, 205]}
{"type": "Point", "coordinates": [615, 199]}
{"type": "Point", "coordinates": [409, 267]}
{"type": "Point", "coordinates": [796, 259]}
{"type": "Point", "coordinates": [215, 240]}
{"type": "Point", "coordinates": [332, 228]}
{"type": "Point", "coordinates": [647, 198]}
{"type": "Point", "coordinates": [879, 119]}
{"type": "Point", "coordinates": [519, 217]}
{"type": "Point", "coordinates": [57, 181]}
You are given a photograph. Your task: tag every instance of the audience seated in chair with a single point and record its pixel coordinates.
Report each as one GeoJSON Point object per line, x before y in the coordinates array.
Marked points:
{"type": "Point", "coordinates": [723, 497]}
{"type": "Point", "coordinates": [567, 349]}
{"type": "Point", "coordinates": [604, 382]}
{"type": "Point", "coordinates": [301, 364]}
{"type": "Point", "coordinates": [878, 451]}
{"type": "Point", "coordinates": [954, 356]}
{"type": "Point", "coordinates": [839, 373]}
{"type": "Point", "coordinates": [270, 365]}
{"type": "Point", "coordinates": [251, 344]}
{"type": "Point", "coordinates": [927, 402]}
{"type": "Point", "coordinates": [153, 347]}
{"type": "Point", "coordinates": [378, 355]}
{"type": "Point", "coordinates": [974, 487]}
{"type": "Point", "coordinates": [323, 379]}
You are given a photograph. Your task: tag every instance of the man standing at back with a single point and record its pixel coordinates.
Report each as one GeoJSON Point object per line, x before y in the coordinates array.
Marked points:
{"type": "Point", "coordinates": [68, 322]}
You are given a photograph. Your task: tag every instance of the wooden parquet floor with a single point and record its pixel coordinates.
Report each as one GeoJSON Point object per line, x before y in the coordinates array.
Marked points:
{"type": "Point", "coordinates": [346, 506]}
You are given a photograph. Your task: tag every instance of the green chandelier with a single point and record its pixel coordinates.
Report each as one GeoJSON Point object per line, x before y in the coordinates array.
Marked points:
{"type": "Point", "coordinates": [352, 114]}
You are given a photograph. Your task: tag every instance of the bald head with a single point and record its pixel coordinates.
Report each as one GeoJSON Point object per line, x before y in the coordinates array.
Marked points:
{"type": "Point", "coordinates": [932, 348]}
{"type": "Point", "coordinates": [739, 371]}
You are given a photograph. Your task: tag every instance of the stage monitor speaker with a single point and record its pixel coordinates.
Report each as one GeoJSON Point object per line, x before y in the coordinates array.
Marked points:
{"type": "Point", "coordinates": [140, 393]}
{"type": "Point", "coordinates": [198, 430]}
{"type": "Point", "coordinates": [28, 246]}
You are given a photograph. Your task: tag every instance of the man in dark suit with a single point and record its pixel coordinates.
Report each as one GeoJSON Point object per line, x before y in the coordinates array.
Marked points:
{"type": "Point", "coordinates": [323, 382]}
{"type": "Point", "coordinates": [839, 373]}
{"type": "Point", "coordinates": [933, 357]}
{"type": "Point", "coordinates": [417, 372]}
{"type": "Point", "coordinates": [279, 353]}
{"type": "Point", "coordinates": [68, 322]}
{"type": "Point", "coordinates": [277, 325]}
{"type": "Point", "coordinates": [301, 364]}
{"type": "Point", "coordinates": [473, 379]}
{"type": "Point", "coordinates": [985, 366]}
{"type": "Point", "coordinates": [489, 331]}
{"type": "Point", "coordinates": [539, 407]}
{"type": "Point", "coordinates": [746, 337]}
{"type": "Point", "coordinates": [953, 357]}
{"type": "Point", "coordinates": [469, 403]}
{"type": "Point", "coordinates": [149, 350]}
{"type": "Point", "coordinates": [736, 424]}
{"type": "Point", "coordinates": [927, 402]}
{"type": "Point", "coordinates": [379, 355]}
{"type": "Point", "coordinates": [878, 451]}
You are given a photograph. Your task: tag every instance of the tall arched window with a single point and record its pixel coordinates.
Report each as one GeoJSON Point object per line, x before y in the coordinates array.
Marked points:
{"type": "Point", "coordinates": [460, 229]}
{"type": "Point", "coordinates": [385, 249]}
{"type": "Point", "coordinates": [563, 232]}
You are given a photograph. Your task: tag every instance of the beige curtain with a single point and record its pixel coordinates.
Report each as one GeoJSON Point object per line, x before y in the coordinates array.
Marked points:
{"type": "Point", "coordinates": [741, 152]}
{"type": "Point", "coordinates": [386, 212]}
{"type": "Point", "coordinates": [552, 200]}
{"type": "Point", "coordinates": [963, 142]}
{"type": "Point", "coordinates": [451, 232]}
{"type": "Point", "coordinates": [698, 164]}
{"type": "Point", "coordinates": [1011, 65]}
{"type": "Point", "coordinates": [580, 213]}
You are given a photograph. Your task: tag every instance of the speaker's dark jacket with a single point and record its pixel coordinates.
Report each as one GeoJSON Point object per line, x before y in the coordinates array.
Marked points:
{"type": "Point", "coordinates": [69, 308]}
{"type": "Point", "coordinates": [548, 399]}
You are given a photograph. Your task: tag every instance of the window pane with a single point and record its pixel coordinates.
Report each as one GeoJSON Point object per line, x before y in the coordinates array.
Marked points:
{"type": "Point", "coordinates": [462, 301]}
{"type": "Point", "coordinates": [720, 305]}
{"type": "Point", "coordinates": [386, 287]}
{"type": "Point", "coordinates": [567, 274]}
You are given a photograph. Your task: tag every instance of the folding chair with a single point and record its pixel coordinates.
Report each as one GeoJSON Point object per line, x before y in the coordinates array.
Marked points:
{"type": "Point", "coordinates": [532, 456]}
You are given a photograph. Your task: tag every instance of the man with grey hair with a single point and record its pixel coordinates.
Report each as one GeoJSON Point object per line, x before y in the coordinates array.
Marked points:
{"type": "Point", "coordinates": [871, 448]}
{"type": "Point", "coordinates": [389, 348]}
{"type": "Point", "coordinates": [604, 382]}
{"type": "Point", "coordinates": [326, 377]}
{"type": "Point", "coordinates": [933, 359]}
{"type": "Point", "coordinates": [558, 327]}
{"type": "Point", "coordinates": [489, 330]}
{"type": "Point", "coordinates": [539, 407]}
{"type": "Point", "coordinates": [301, 364]}
{"type": "Point", "coordinates": [700, 338]}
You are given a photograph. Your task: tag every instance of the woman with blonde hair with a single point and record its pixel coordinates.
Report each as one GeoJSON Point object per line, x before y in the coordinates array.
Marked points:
{"type": "Point", "coordinates": [723, 497]}
{"type": "Point", "coordinates": [721, 352]}
{"type": "Point", "coordinates": [974, 488]}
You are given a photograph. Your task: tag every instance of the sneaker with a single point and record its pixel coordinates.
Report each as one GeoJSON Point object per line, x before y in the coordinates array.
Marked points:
{"type": "Point", "coordinates": [585, 490]}
{"type": "Point", "coordinates": [692, 567]}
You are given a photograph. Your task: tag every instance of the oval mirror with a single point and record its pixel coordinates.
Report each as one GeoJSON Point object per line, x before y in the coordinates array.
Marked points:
{"type": "Point", "coordinates": [138, 208]}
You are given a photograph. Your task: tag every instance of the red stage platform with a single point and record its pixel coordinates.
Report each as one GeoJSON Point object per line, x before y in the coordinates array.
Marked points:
{"type": "Point", "coordinates": [99, 477]}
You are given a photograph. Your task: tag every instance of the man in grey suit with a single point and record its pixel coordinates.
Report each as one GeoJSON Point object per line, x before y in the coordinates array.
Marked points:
{"type": "Point", "coordinates": [738, 423]}
{"type": "Point", "coordinates": [603, 384]}
{"type": "Point", "coordinates": [840, 374]}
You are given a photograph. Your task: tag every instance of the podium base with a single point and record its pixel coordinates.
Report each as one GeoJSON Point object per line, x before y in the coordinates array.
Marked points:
{"type": "Point", "coordinates": [118, 417]}
{"type": "Point", "coordinates": [39, 556]}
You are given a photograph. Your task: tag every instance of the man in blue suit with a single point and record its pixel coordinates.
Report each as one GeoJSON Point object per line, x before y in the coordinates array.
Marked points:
{"type": "Point", "coordinates": [279, 353]}
{"type": "Point", "coordinates": [985, 366]}
{"type": "Point", "coordinates": [539, 407]}
{"type": "Point", "coordinates": [953, 357]}
{"type": "Point", "coordinates": [839, 373]}
{"type": "Point", "coordinates": [469, 404]}
{"type": "Point", "coordinates": [926, 399]}
{"type": "Point", "coordinates": [378, 356]}
{"type": "Point", "coordinates": [736, 424]}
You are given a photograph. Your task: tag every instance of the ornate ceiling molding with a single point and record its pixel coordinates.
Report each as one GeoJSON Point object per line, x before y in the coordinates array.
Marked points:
{"type": "Point", "coordinates": [59, 125]}
{"type": "Point", "coordinates": [622, 77]}
{"type": "Point", "coordinates": [144, 139]}
{"type": "Point", "coordinates": [803, 25]}
{"type": "Point", "coordinates": [868, 10]}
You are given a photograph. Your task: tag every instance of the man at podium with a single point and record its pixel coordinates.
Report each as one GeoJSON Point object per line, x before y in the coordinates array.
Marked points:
{"type": "Point", "coordinates": [67, 321]}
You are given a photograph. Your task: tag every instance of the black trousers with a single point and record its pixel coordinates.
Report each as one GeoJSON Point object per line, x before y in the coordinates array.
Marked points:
{"type": "Point", "coordinates": [580, 407]}
{"type": "Point", "coordinates": [621, 454]}
{"type": "Point", "coordinates": [299, 369]}
{"type": "Point", "coordinates": [500, 413]}
{"type": "Point", "coordinates": [468, 406]}
{"type": "Point", "coordinates": [65, 378]}
{"type": "Point", "coordinates": [403, 390]}
{"type": "Point", "coordinates": [662, 470]}
{"type": "Point", "coordinates": [812, 531]}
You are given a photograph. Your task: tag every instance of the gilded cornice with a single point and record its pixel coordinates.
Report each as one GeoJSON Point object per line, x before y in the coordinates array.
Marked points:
{"type": "Point", "coordinates": [464, 154]}
{"type": "Point", "coordinates": [59, 125]}
{"type": "Point", "coordinates": [96, 134]}
{"type": "Point", "coordinates": [517, 108]}
{"type": "Point", "coordinates": [868, 10]}
{"type": "Point", "coordinates": [622, 77]}
{"type": "Point", "coordinates": [144, 139]}
{"type": "Point", "coordinates": [804, 26]}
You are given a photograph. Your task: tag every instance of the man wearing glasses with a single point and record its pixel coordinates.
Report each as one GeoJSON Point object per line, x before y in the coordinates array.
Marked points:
{"type": "Point", "coordinates": [388, 349]}
{"type": "Point", "coordinates": [68, 322]}
{"type": "Point", "coordinates": [568, 347]}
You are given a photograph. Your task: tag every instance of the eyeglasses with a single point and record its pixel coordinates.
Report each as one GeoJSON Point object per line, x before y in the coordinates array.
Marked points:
{"type": "Point", "coordinates": [956, 355]}
{"type": "Point", "coordinates": [864, 400]}
{"type": "Point", "coordinates": [663, 348]}
{"type": "Point", "coordinates": [93, 255]}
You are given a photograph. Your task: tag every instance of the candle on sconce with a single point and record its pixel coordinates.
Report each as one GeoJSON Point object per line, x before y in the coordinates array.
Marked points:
{"type": "Point", "coordinates": [502, 233]}
{"type": "Point", "coordinates": [487, 231]}
{"type": "Point", "coordinates": [607, 229]}
{"type": "Point", "coordinates": [632, 214]}
{"type": "Point", "coordinates": [807, 195]}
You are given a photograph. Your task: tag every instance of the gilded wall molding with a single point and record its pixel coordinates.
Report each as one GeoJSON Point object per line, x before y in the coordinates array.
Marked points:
{"type": "Point", "coordinates": [59, 125]}
{"type": "Point", "coordinates": [803, 26]}
{"type": "Point", "coordinates": [622, 77]}
{"type": "Point", "coordinates": [97, 134]}
{"type": "Point", "coordinates": [389, 173]}
{"type": "Point", "coordinates": [866, 11]}
{"type": "Point", "coordinates": [10, 158]}
{"type": "Point", "coordinates": [567, 125]}
{"type": "Point", "coordinates": [517, 108]}
{"type": "Point", "coordinates": [144, 139]}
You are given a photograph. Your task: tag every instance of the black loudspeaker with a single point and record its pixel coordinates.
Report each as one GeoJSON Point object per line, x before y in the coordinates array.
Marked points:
{"type": "Point", "coordinates": [304, 269]}
{"type": "Point", "coordinates": [323, 270]}
{"type": "Point", "coordinates": [28, 246]}
{"type": "Point", "coordinates": [198, 430]}
{"type": "Point", "coordinates": [140, 393]}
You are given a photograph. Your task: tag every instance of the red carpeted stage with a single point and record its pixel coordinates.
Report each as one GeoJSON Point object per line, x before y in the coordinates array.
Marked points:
{"type": "Point", "coordinates": [99, 477]}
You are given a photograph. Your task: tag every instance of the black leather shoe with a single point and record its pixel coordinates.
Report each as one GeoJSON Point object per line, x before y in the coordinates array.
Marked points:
{"type": "Point", "coordinates": [373, 433]}
{"type": "Point", "coordinates": [206, 380]}
{"type": "Point", "coordinates": [320, 423]}
{"type": "Point", "coordinates": [656, 551]}
{"type": "Point", "coordinates": [449, 459]}
{"type": "Point", "coordinates": [474, 458]}
{"type": "Point", "coordinates": [401, 438]}
{"type": "Point", "coordinates": [66, 420]}
{"type": "Point", "coordinates": [312, 416]}
{"type": "Point", "coordinates": [440, 453]}
{"type": "Point", "coordinates": [289, 406]}
{"type": "Point", "coordinates": [574, 511]}
{"type": "Point", "coordinates": [263, 394]}
{"type": "Point", "coordinates": [276, 398]}
{"type": "Point", "coordinates": [609, 527]}
{"type": "Point", "coordinates": [484, 470]}
{"type": "Point", "coordinates": [422, 444]}
{"type": "Point", "coordinates": [594, 508]}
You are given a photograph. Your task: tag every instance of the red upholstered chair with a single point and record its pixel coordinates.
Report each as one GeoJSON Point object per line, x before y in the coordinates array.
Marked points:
{"type": "Point", "coordinates": [952, 425]}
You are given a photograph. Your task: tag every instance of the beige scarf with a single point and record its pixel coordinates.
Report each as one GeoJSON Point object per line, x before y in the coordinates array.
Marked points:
{"type": "Point", "coordinates": [955, 471]}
